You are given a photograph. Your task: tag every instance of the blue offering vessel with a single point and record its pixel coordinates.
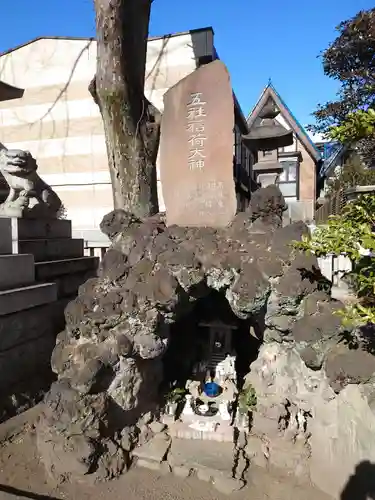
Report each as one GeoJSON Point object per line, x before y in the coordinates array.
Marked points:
{"type": "Point", "coordinates": [211, 389]}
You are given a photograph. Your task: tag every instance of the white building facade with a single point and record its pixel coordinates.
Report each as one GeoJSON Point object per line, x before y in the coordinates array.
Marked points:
{"type": "Point", "coordinates": [57, 120]}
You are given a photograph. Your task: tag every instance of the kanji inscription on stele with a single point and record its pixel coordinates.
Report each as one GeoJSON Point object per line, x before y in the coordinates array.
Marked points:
{"type": "Point", "coordinates": [196, 149]}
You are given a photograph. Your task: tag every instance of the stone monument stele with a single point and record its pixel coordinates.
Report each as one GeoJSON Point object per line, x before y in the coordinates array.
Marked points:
{"type": "Point", "coordinates": [196, 149]}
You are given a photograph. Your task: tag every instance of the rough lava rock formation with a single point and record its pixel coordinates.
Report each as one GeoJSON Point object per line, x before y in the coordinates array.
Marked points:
{"type": "Point", "coordinates": [109, 358]}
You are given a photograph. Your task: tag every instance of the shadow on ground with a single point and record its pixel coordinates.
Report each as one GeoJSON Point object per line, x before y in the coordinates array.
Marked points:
{"type": "Point", "coordinates": [361, 485]}
{"type": "Point", "coordinates": [9, 490]}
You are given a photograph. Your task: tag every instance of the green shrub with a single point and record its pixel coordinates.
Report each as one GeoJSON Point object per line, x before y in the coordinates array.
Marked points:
{"type": "Point", "coordinates": [351, 233]}
{"type": "Point", "coordinates": [247, 400]}
{"type": "Point", "coordinates": [176, 395]}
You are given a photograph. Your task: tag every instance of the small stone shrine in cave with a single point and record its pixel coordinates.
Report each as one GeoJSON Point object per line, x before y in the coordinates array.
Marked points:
{"type": "Point", "coordinates": [208, 410]}
{"type": "Point", "coordinates": [209, 354]}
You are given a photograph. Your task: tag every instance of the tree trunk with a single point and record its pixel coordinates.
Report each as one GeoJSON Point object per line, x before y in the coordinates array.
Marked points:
{"type": "Point", "coordinates": [131, 123]}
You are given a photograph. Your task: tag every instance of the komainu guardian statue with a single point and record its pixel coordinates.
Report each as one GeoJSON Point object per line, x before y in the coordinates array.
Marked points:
{"type": "Point", "coordinates": [29, 196]}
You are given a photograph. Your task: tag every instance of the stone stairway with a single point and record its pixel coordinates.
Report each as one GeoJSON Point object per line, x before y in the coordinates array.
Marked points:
{"type": "Point", "coordinates": [41, 268]}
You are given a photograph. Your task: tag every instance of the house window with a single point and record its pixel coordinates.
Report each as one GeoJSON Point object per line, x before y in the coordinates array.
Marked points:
{"type": "Point", "coordinates": [288, 179]}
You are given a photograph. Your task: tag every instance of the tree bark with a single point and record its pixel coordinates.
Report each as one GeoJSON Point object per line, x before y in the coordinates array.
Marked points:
{"type": "Point", "coordinates": [131, 122]}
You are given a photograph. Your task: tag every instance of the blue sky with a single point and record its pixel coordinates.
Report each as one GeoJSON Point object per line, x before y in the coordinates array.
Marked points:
{"type": "Point", "coordinates": [257, 39]}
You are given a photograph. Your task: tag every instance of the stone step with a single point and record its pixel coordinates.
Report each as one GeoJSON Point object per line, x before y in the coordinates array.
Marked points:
{"type": "Point", "coordinates": [68, 285]}
{"type": "Point", "coordinates": [48, 270]}
{"type": "Point", "coordinates": [19, 299]}
{"type": "Point", "coordinates": [16, 271]}
{"type": "Point", "coordinates": [25, 360]}
{"type": "Point", "coordinates": [27, 229]}
{"type": "Point", "coordinates": [211, 462]}
{"type": "Point", "coordinates": [13, 229]}
{"type": "Point", "coordinates": [29, 324]}
{"type": "Point", "coordinates": [49, 250]}
{"type": "Point", "coordinates": [68, 274]}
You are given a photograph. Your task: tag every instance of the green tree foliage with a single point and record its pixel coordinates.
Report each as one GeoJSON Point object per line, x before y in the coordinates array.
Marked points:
{"type": "Point", "coordinates": [350, 60]}
{"type": "Point", "coordinates": [351, 233]}
{"type": "Point", "coordinates": [358, 125]}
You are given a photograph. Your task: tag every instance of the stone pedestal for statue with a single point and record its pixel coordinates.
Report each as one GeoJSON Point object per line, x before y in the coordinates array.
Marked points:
{"type": "Point", "coordinates": [41, 268]}
{"type": "Point", "coordinates": [45, 239]}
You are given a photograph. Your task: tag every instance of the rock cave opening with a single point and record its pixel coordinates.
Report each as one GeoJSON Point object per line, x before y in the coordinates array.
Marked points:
{"type": "Point", "coordinates": [209, 354]}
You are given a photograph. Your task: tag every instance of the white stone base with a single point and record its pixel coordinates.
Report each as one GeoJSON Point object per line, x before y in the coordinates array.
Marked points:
{"type": "Point", "coordinates": [183, 430]}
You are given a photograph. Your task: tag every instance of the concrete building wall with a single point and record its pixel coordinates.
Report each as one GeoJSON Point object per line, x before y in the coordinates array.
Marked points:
{"type": "Point", "coordinates": [58, 122]}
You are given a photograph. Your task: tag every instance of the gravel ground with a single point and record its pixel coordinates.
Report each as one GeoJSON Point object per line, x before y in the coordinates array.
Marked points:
{"type": "Point", "coordinates": [22, 476]}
